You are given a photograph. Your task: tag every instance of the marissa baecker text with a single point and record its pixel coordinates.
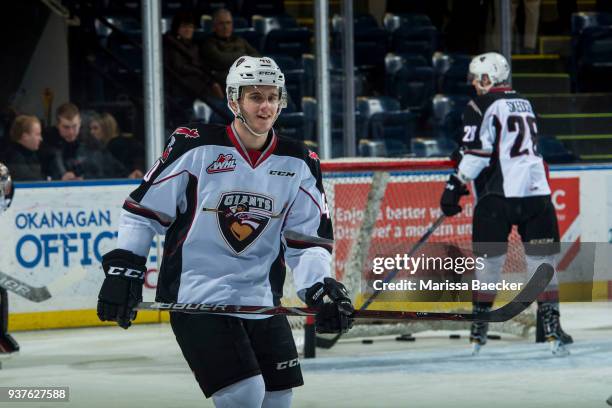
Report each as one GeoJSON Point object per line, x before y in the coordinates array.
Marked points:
{"type": "Point", "coordinates": [404, 285]}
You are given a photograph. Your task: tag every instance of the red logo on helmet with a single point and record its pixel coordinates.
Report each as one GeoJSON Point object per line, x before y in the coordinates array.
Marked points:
{"type": "Point", "coordinates": [189, 133]}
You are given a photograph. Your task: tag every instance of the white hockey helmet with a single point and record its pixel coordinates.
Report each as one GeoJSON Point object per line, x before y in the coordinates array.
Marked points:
{"type": "Point", "coordinates": [492, 64]}
{"type": "Point", "coordinates": [6, 188]}
{"type": "Point", "coordinates": [254, 71]}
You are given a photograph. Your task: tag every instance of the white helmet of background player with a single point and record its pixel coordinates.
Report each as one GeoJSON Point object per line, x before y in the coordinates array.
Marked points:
{"type": "Point", "coordinates": [494, 66]}
{"type": "Point", "coordinates": [6, 188]}
{"type": "Point", "coordinates": [254, 71]}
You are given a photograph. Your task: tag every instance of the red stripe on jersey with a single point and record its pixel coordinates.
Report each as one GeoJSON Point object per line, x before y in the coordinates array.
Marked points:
{"type": "Point", "coordinates": [312, 198]}
{"type": "Point", "coordinates": [144, 212]}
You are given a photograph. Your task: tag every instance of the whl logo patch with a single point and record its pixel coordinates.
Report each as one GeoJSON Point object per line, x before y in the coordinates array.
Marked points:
{"type": "Point", "coordinates": [242, 217]}
{"type": "Point", "coordinates": [225, 162]}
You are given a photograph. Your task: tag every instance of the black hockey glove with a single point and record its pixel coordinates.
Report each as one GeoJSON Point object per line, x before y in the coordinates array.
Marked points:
{"type": "Point", "coordinates": [334, 316]}
{"type": "Point", "coordinates": [122, 287]}
{"type": "Point", "coordinates": [453, 190]}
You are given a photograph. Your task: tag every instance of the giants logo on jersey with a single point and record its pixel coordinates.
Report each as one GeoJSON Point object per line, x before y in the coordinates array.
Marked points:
{"type": "Point", "coordinates": [242, 217]}
{"type": "Point", "coordinates": [225, 162]}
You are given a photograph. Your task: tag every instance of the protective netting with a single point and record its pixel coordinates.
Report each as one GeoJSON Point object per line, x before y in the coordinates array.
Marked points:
{"type": "Point", "coordinates": [381, 208]}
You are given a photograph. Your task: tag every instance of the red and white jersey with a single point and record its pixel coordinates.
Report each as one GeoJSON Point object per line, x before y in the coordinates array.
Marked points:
{"type": "Point", "coordinates": [499, 146]}
{"type": "Point", "coordinates": [231, 218]}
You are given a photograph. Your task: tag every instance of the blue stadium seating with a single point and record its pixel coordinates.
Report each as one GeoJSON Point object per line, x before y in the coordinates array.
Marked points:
{"type": "Point", "coordinates": [421, 40]}
{"type": "Point", "coordinates": [451, 72]}
{"type": "Point", "coordinates": [370, 41]}
{"type": "Point", "coordinates": [387, 122]}
{"type": "Point", "coordinates": [409, 79]}
{"type": "Point", "coordinates": [446, 112]}
{"type": "Point", "coordinates": [392, 22]}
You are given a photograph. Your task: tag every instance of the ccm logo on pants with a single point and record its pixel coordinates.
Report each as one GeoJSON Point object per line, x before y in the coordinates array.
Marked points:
{"type": "Point", "coordinates": [286, 364]}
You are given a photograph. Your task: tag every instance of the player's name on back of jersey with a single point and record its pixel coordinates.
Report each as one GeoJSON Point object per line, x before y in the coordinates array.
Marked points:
{"type": "Point", "coordinates": [446, 285]}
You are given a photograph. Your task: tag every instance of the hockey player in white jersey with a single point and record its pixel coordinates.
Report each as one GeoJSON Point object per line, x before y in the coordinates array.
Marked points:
{"type": "Point", "coordinates": [8, 344]}
{"type": "Point", "coordinates": [235, 204]}
{"type": "Point", "coordinates": [510, 180]}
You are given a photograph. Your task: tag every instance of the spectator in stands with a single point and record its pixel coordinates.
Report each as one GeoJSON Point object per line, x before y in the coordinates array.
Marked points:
{"type": "Point", "coordinates": [188, 75]}
{"type": "Point", "coordinates": [69, 156]}
{"type": "Point", "coordinates": [222, 48]}
{"type": "Point", "coordinates": [532, 23]}
{"type": "Point", "coordinates": [21, 156]}
{"type": "Point", "coordinates": [126, 150]}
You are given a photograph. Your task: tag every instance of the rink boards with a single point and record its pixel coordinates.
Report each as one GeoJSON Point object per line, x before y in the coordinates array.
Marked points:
{"type": "Point", "coordinates": [55, 233]}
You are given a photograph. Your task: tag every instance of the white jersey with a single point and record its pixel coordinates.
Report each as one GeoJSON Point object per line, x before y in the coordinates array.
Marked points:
{"type": "Point", "coordinates": [231, 219]}
{"type": "Point", "coordinates": [499, 146]}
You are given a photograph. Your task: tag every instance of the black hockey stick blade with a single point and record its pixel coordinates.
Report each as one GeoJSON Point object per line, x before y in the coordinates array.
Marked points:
{"type": "Point", "coordinates": [530, 292]}
{"type": "Point", "coordinates": [24, 290]}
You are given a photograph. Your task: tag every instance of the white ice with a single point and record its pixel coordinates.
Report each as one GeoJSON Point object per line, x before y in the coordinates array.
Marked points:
{"type": "Point", "coordinates": [143, 367]}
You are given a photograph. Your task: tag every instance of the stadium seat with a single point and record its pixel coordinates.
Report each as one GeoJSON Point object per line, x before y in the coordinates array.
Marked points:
{"type": "Point", "coordinates": [201, 111]}
{"type": "Point", "coordinates": [170, 7]}
{"type": "Point", "coordinates": [264, 24]}
{"type": "Point", "coordinates": [250, 35]}
{"type": "Point", "coordinates": [262, 7]}
{"type": "Point", "coordinates": [386, 121]}
{"type": "Point", "coordinates": [291, 125]}
{"type": "Point", "coordinates": [240, 22]}
{"type": "Point", "coordinates": [446, 115]}
{"type": "Point", "coordinates": [583, 20]}
{"type": "Point", "coordinates": [209, 6]}
{"type": "Point", "coordinates": [206, 23]}
{"type": "Point", "coordinates": [288, 41]}
{"type": "Point", "coordinates": [392, 22]}
{"type": "Point", "coordinates": [421, 40]}
{"type": "Point", "coordinates": [294, 76]}
{"type": "Point", "coordinates": [592, 59]}
{"type": "Point", "coordinates": [451, 72]}
{"type": "Point", "coordinates": [370, 41]}
{"type": "Point", "coordinates": [410, 80]}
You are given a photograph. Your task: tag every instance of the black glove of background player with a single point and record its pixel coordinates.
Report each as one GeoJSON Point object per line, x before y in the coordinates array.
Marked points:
{"type": "Point", "coordinates": [453, 190]}
{"type": "Point", "coordinates": [122, 287]}
{"type": "Point", "coordinates": [334, 316]}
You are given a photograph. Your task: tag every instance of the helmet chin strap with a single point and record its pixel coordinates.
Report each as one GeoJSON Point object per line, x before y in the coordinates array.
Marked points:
{"type": "Point", "coordinates": [241, 117]}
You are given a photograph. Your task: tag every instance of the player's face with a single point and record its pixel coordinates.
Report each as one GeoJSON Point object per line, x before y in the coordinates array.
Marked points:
{"type": "Point", "coordinates": [31, 140]}
{"type": "Point", "coordinates": [69, 128]}
{"type": "Point", "coordinates": [259, 105]}
{"type": "Point", "coordinates": [482, 86]}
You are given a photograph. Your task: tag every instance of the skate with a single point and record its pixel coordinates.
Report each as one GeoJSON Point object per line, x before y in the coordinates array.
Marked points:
{"type": "Point", "coordinates": [478, 331]}
{"type": "Point", "coordinates": [8, 345]}
{"type": "Point", "coordinates": [554, 334]}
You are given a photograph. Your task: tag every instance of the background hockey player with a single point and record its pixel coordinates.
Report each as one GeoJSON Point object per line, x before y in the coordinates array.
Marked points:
{"type": "Point", "coordinates": [210, 257]}
{"type": "Point", "coordinates": [7, 342]}
{"type": "Point", "coordinates": [510, 179]}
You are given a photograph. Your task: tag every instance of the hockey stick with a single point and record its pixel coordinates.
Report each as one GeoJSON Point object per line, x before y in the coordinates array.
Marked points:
{"type": "Point", "coordinates": [530, 292]}
{"type": "Point", "coordinates": [322, 342]}
{"type": "Point", "coordinates": [42, 293]}
{"type": "Point", "coordinates": [24, 290]}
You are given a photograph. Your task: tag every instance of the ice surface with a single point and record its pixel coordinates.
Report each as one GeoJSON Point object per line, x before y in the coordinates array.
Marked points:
{"type": "Point", "coordinates": [143, 367]}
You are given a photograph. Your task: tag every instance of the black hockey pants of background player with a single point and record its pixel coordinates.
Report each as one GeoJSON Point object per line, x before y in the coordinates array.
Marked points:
{"type": "Point", "coordinates": [7, 342]}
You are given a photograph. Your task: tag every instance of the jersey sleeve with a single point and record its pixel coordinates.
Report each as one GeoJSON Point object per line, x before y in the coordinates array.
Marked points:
{"type": "Point", "coordinates": [476, 144]}
{"type": "Point", "coordinates": [308, 233]}
{"type": "Point", "coordinates": [155, 204]}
